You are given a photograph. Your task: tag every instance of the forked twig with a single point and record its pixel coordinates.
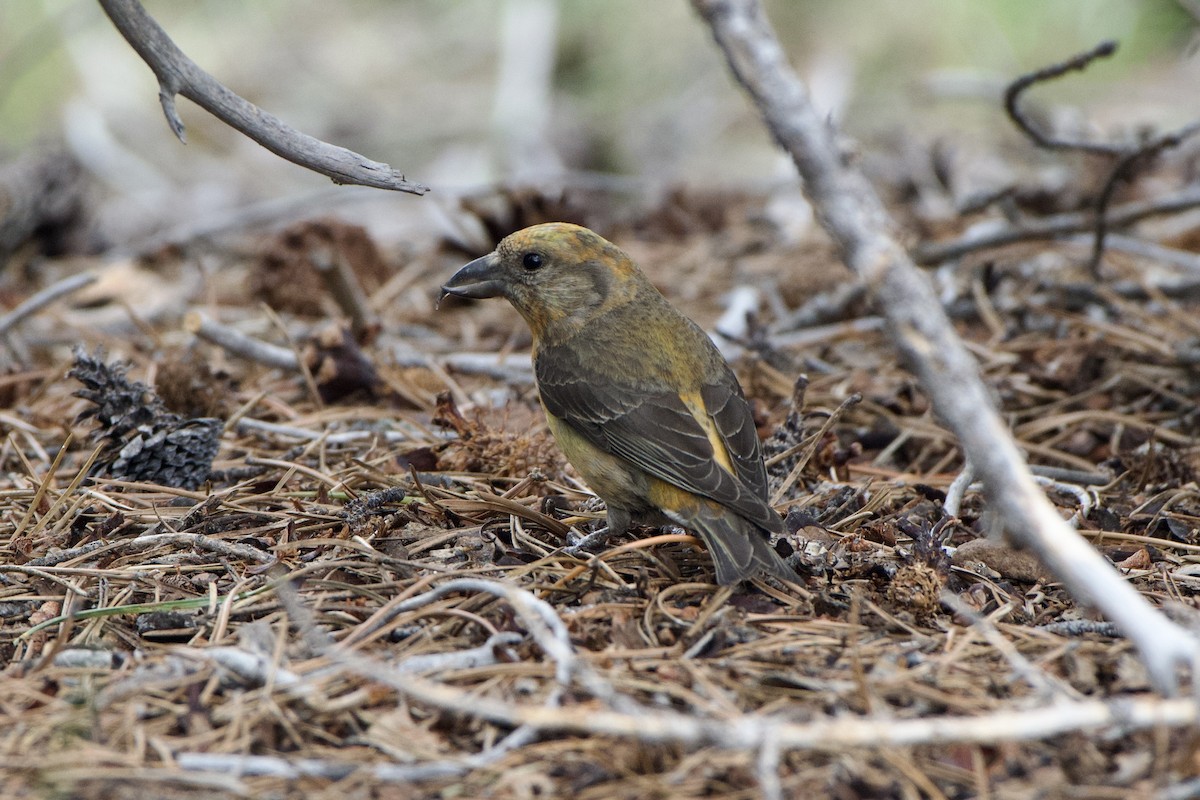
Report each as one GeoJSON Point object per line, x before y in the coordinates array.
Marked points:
{"type": "Point", "coordinates": [1128, 158]}
{"type": "Point", "coordinates": [1121, 171]}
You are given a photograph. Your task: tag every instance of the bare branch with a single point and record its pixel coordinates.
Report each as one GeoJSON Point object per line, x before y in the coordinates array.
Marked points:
{"type": "Point", "coordinates": [179, 75]}
{"type": "Point", "coordinates": [750, 732]}
{"type": "Point", "coordinates": [743, 732]}
{"type": "Point", "coordinates": [1054, 226]}
{"type": "Point", "coordinates": [1073, 64]}
{"type": "Point", "coordinates": [850, 210]}
{"type": "Point", "coordinates": [619, 716]}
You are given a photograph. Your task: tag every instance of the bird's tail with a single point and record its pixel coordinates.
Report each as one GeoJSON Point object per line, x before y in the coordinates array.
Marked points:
{"type": "Point", "coordinates": [740, 549]}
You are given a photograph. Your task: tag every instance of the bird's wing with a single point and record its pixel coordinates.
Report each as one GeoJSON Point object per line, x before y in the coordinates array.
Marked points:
{"type": "Point", "coordinates": [731, 414]}
{"type": "Point", "coordinates": [664, 433]}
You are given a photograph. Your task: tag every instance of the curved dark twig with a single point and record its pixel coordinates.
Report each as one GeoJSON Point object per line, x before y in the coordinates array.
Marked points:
{"type": "Point", "coordinates": [1129, 157]}
{"type": "Point", "coordinates": [179, 75]}
{"type": "Point", "coordinates": [1076, 63]}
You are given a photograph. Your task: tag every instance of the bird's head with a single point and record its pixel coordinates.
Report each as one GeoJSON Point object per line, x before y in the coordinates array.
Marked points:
{"type": "Point", "coordinates": [557, 275]}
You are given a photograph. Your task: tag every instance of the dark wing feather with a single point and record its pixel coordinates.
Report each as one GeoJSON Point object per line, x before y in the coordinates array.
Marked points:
{"type": "Point", "coordinates": [655, 431]}
{"type": "Point", "coordinates": [732, 415]}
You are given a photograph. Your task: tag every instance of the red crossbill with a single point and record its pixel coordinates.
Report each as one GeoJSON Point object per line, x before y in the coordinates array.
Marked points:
{"type": "Point", "coordinates": [635, 393]}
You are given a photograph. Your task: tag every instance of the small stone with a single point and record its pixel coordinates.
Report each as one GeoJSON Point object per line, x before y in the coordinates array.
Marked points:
{"type": "Point", "coordinates": [1010, 563]}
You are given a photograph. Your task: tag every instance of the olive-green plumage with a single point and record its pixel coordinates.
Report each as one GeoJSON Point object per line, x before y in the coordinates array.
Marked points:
{"type": "Point", "coordinates": [635, 393]}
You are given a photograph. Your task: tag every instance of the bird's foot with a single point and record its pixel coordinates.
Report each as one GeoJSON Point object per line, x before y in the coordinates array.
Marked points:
{"type": "Point", "coordinates": [584, 546]}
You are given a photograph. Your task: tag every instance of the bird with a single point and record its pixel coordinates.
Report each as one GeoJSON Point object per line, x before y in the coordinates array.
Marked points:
{"type": "Point", "coordinates": [636, 395]}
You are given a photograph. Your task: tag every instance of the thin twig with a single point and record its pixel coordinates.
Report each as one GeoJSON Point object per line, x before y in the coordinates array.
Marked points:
{"type": "Point", "coordinates": [1079, 627]}
{"type": "Point", "coordinates": [343, 285]}
{"type": "Point", "coordinates": [473, 658]}
{"type": "Point", "coordinates": [542, 623]}
{"type": "Point", "coordinates": [958, 489]}
{"type": "Point", "coordinates": [37, 573]}
{"type": "Point", "coordinates": [1003, 234]}
{"type": "Point", "coordinates": [1048, 686]}
{"type": "Point", "coordinates": [824, 307]}
{"type": "Point", "coordinates": [809, 451]}
{"type": "Point", "coordinates": [512, 368]}
{"type": "Point", "coordinates": [1075, 476]}
{"type": "Point", "coordinates": [249, 424]}
{"type": "Point", "coordinates": [541, 620]}
{"type": "Point", "coordinates": [239, 344]}
{"type": "Point", "coordinates": [293, 768]}
{"type": "Point", "coordinates": [44, 298]}
{"type": "Point", "coordinates": [179, 75]}
{"type": "Point", "coordinates": [239, 552]}
{"type": "Point", "coordinates": [767, 768]}
{"type": "Point", "coordinates": [1073, 64]}
{"type": "Point", "coordinates": [1167, 256]}
{"type": "Point", "coordinates": [1120, 172]}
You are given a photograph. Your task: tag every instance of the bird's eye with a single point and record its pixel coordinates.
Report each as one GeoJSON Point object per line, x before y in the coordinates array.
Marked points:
{"type": "Point", "coordinates": [532, 260]}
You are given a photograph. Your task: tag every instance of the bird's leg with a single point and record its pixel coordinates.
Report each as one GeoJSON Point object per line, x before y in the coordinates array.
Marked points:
{"type": "Point", "coordinates": [587, 544]}
{"type": "Point", "coordinates": [580, 541]}
{"type": "Point", "coordinates": [618, 523]}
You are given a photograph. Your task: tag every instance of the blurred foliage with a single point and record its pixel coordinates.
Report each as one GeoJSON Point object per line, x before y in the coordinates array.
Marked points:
{"type": "Point", "coordinates": [637, 87]}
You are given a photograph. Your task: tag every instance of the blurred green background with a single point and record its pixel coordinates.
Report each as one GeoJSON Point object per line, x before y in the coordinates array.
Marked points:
{"type": "Point", "coordinates": [460, 94]}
